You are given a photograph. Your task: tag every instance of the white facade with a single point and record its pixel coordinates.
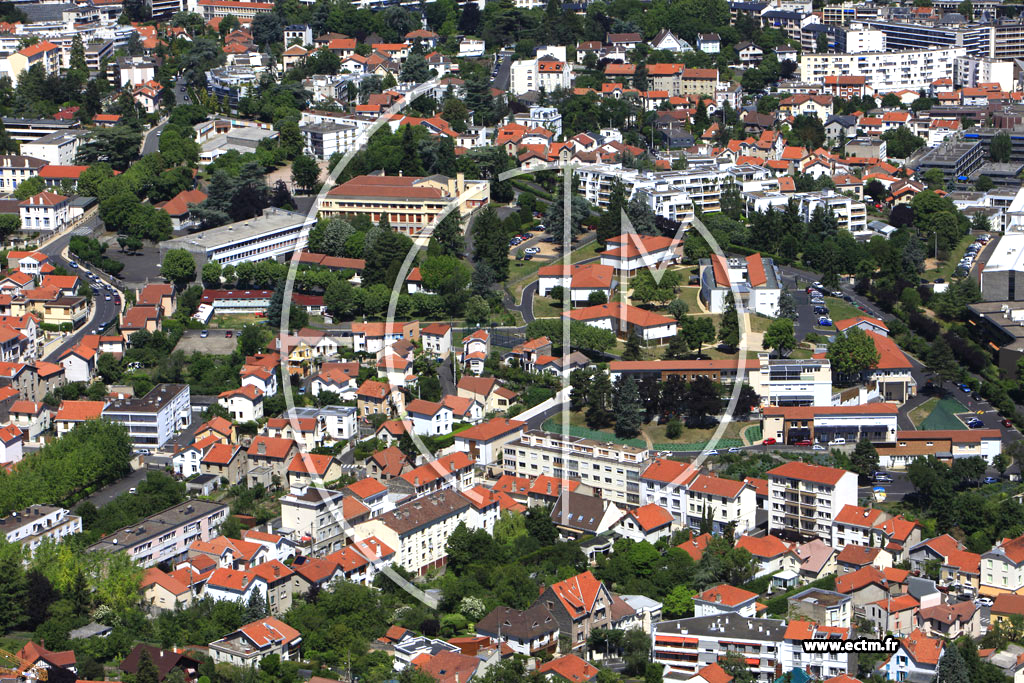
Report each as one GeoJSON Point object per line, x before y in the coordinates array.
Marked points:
{"type": "Point", "coordinates": [970, 71]}
{"type": "Point", "coordinates": [434, 424]}
{"type": "Point", "coordinates": [884, 71]}
{"type": "Point", "coordinates": [154, 419]}
{"type": "Point", "coordinates": [32, 525]}
{"type": "Point", "coordinates": [45, 212]}
{"type": "Point", "coordinates": [534, 74]}
{"type": "Point", "coordinates": [56, 148]}
{"type": "Point", "coordinates": [856, 41]}
{"type": "Point", "coordinates": [806, 498]}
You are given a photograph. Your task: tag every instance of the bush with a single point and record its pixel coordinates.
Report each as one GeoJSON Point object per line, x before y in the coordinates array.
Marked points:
{"type": "Point", "coordinates": [674, 429]}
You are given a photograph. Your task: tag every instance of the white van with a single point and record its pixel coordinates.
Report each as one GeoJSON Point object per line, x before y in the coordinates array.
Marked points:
{"type": "Point", "coordinates": [837, 442]}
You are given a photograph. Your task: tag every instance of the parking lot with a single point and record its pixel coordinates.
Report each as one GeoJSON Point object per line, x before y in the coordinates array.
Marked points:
{"type": "Point", "coordinates": [216, 343]}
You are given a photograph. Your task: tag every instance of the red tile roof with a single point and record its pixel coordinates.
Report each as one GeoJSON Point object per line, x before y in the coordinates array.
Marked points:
{"type": "Point", "coordinates": [726, 595]}
{"type": "Point", "coordinates": [571, 668]}
{"type": "Point", "coordinates": [651, 516]}
{"type": "Point", "coordinates": [763, 546]}
{"type": "Point", "coordinates": [79, 411]}
{"type": "Point", "coordinates": [806, 472]}
{"type": "Point", "coordinates": [695, 546]}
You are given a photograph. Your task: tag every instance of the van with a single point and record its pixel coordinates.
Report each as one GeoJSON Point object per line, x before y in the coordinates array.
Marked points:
{"type": "Point", "coordinates": [837, 442]}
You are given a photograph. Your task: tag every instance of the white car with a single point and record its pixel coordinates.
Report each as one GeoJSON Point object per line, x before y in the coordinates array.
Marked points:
{"type": "Point", "coordinates": [837, 442]}
{"type": "Point", "coordinates": [817, 447]}
{"type": "Point", "coordinates": [107, 297]}
{"type": "Point", "coordinates": [532, 250]}
{"type": "Point", "coordinates": [711, 452]}
{"type": "Point", "coordinates": [983, 600]}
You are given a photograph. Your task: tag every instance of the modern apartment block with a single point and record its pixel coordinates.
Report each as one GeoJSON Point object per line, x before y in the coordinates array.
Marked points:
{"type": "Point", "coordinates": [166, 536]}
{"type": "Point", "coordinates": [273, 235]}
{"type": "Point", "coordinates": [611, 470]}
{"type": "Point", "coordinates": [804, 499]}
{"type": "Point", "coordinates": [685, 646]}
{"type": "Point", "coordinates": [903, 35]}
{"type": "Point", "coordinates": [885, 71]}
{"type": "Point", "coordinates": [32, 525]}
{"type": "Point", "coordinates": [156, 417]}
{"type": "Point", "coordinates": [828, 424]}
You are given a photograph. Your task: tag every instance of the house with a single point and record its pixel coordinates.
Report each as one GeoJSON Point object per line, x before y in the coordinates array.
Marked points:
{"type": "Point", "coordinates": [476, 349]}
{"type": "Point", "coordinates": [429, 418]}
{"type": "Point", "coordinates": [897, 615]}
{"type": "Point", "coordinates": [437, 339]}
{"type": "Point", "coordinates": [833, 489]}
{"type": "Point", "coordinates": [626, 320]}
{"type": "Point", "coordinates": [773, 555]}
{"type": "Point", "coordinates": [379, 398]}
{"type": "Point", "coordinates": [531, 632]}
{"type": "Point", "coordinates": [951, 620]}
{"type": "Point", "coordinates": [252, 643]}
{"type": "Point", "coordinates": [164, 660]}
{"type": "Point", "coordinates": [578, 514]}
{"type": "Point", "coordinates": [854, 557]}
{"type": "Point", "coordinates": [486, 390]}
{"type": "Point", "coordinates": [161, 591]}
{"type": "Point", "coordinates": [45, 212]}
{"type": "Point", "coordinates": [1002, 571]}
{"type": "Point", "coordinates": [649, 523]}
{"type": "Point", "coordinates": [228, 462]}
{"type": "Point", "coordinates": [464, 410]}
{"type": "Point", "coordinates": [725, 599]}
{"type": "Point", "coordinates": [312, 470]}
{"type": "Point", "coordinates": [269, 458]}
{"type": "Point", "coordinates": [709, 42]}
{"type": "Point", "coordinates": [262, 379]}
{"type": "Point", "coordinates": [726, 503]}
{"type": "Point", "coordinates": [821, 606]}
{"type": "Point", "coordinates": [870, 584]}
{"type": "Point", "coordinates": [916, 659]}
{"type": "Point", "coordinates": [245, 404]}
{"type": "Point", "coordinates": [580, 604]}
{"type": "Point", "coordinates": [71, 413]}
{"type": "Point", "coordinates": [666, 40]}
{"type": "Point", "coordinates": [387, 464]}
{"type": "Point", "coordinates": [484, 442]}
{"type": "Point", "coordinates": [339, 378]}
{"type": "Point", "coordinates": [569, 668]}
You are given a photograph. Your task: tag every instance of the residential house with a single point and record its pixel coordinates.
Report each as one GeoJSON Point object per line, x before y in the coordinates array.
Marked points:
{"type": "Point", "coordinates": [580, 604]}
{"type": "Point", "coordinates": [245, 404]}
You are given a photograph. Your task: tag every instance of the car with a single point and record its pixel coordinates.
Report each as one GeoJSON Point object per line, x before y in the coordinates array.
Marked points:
{"type": "Point", "coordinates": [983, 601]}
{"type": "Point", "coordinates": [528, 257]}
{"type": "Point", "coordinates": [664, 454]}
{"type": "Point", "coordinates": [824, 322]}
{"type": "Point", "coordinates": [733, 450]}
{"type": "Point", "coordinates": [302, 390]}
{"type": "Point", "coordinates": [817, 447]}
{"type": "Point", "coordinates": [816, 284]}
{"type": "Point", "coordinates": [769, 442]}
{"type": "Point", "coordinates": [966, 388]}
{"type": "Point", "coordinates": [847, 298]}
{"type": "Point", "coordinates": [107, 297]}
{"type": "Point", "coordinates": [533, 250]}
{"type": "Point", "coordinates": [990, 480]}
{"type": "Point", "coordinates": [540, 226]}
{"type": "Point", "coordinates": [204, 334]}
{"type": "Point", "coordinates": [838, 441]}
{"type": "Point", "coordinates": [132, 491]}
{"type": "Point", "coordinates": [837, 293]}
{"type": "Point", "coordinates": [1007, 423]}
{"type": "Point", "coordinates": [976, 397]}
{"type": "Point", "coordinates": [940, 280]}
{"type": "Point", "coordinates": [881, 477]}
{"type": "Point", "coordinates": [810, 290]}
{"type": "Point", "coordinates": [975, 424]}
{"type": "Point", "coordinates": [229, 334]}
{"type": "Point", "coordinates": [803, 442]}
{"type": "Point", "coordinates": [711, 452]}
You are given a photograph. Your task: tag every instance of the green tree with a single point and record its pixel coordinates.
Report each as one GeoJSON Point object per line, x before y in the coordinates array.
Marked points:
{"type": "Point", "coordinates": [679, 602]}
{"type": "Point", "coordinates": [864, 460]}
{"type": "Point", "coordinates": [29, 187]}
{"type": "Point", "coordinates": [415, 69]}
{"type": "Point", "coordinates": [13, 585]}
{"type": "Point", "coordinates": [599, 402]}
{"type": "Point", "coordinates": [941, 361]}
{"type": "Point", "coordinates": [901, 142]}
{"type": "Point", "coordinates": [729, 328]}
{"type": "Point", "coordinates": [852, 353]}
{"type": "Point", "coordinates": [984, 184]}
{"type": "Point", "coordinates": [211, 274]}
{"type": "Point", "coordinates": [677, 308]}
{"type": "Point", "coordinates": [305, 172]}
{"type": "Point", "coordinates": [147, 671]}
{"type": "Point", "coordinates": [628, 413]}
{"type": "Point", "coordinates": [952, 668]}
{"type": "Point", "coordinates": [779, 336]}
{"type": "Point", "coordinates": [1001, 147]}
{"type": "Point", "coordinates": [179, 267]}
{"type": "Point", "coordinates": [697, 330]}
{"type": "Point", "coordinates": [478, 312]}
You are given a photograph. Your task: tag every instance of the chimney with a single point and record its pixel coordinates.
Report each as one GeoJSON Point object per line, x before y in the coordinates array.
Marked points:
{"type": "Point", "coordinates": [277, 570]}
{"type": "Point", "coordinates": [261, 448]}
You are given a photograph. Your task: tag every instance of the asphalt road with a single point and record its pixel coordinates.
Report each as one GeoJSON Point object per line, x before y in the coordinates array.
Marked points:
{"type": "Point", "coordinates": [151, 140]}
{"type": "Point", "coordinates": [105, 310]}
{"type": "Point", "coordinates": [504, 76]}
{"type": "Point", "coordinates": [111, 491]}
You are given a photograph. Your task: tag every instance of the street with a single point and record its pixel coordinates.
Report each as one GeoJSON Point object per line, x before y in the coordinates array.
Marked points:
{"type": "Point", "coordinates": [111, 491]}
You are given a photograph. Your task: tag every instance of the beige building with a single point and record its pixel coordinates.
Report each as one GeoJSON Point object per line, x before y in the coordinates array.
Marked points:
{"type": "Point", "coordinates": [322, 520]}
{"type": "Point", "coordinates": [409, 203]}
{"type": "Point", "coordinates": [611, 470]}
{"type": "Point", "coordinates": [162, 591]}
{"type": "Point", "coordinates": [227, 461]}
{"type": "Point", "coordinates": [419, 530]}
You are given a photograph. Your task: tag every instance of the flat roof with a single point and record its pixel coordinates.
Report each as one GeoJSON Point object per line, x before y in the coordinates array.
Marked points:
{"type": "Point", "coordinates": [157, 525]}
{"type": "Point", "coordinates": [153, 402]}
{"type": "Point", "coordinates": [1007, 255]}
{"type": "Point", "coordinates": [272, 220]}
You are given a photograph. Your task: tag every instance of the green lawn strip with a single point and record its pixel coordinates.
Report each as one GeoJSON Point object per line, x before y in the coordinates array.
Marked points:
{"type": "Point", "coordinates": [946, 268]}
{"type": "Point", "coordinates": [943, 416]}
{"type": "Point", "coordinates": [921, 413]}
{"type": "Point", "coordinates": [841, 310]}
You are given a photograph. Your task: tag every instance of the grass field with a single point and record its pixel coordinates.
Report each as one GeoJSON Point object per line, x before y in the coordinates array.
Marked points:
{"type": "Point", "coordinates": [522, 273]}
{"type": "Point", "coordinates": [841, 310]}
{"type": "Point", "coordinates": [946, 268]}
{"type": "Point", "coordinates": [234, 321]}
{"type": "Point", "coordinates": [943, 415]}
{"type": "Point", "coordinates": [545, 307]}
{"type": "Point", "coordinates": [691, 439]}
{"type": "Point", "coordinates": [920, 413]}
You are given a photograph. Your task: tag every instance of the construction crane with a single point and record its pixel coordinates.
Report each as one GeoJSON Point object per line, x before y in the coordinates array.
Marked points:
{"type": "Point", "coordinates": [24, 671]}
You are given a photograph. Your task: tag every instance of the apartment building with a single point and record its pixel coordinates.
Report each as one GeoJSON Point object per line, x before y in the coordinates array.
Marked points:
{"type": "Point", "coordinates": [670, 194]}
{"type": "Point", "coordinates": [273, 235]}
{"type": "Point", "coordinates": [805, 499]}
{"type": "Point", "coordinates": [15, 168]}
{"type": "Point", "coordinates": [724, 502]}
{"type": "Point", "coordinates": [31, 526]}
{"type": "Point", "coordinates": [904, 35]}
{"type": "Point", "coordinates": [167, 535]}
{"type": "Point", "coordinates": [971, 71]}
{"type": "Point", "coordinates": [419, 530]}
{"type": "Point", "coordinates": [885, 71]}
{"type": "Point", "coordinates": [685, 646]}
{"type": "Point", "coordinates": [831, 424]}
{"type": "Point", "coordinates": [411, 204]}
{"type": "Point", "coordinates": [321, 520]}
{"type": "Point", "coordinates": [580, 604]}
{"type": "Point", "coordinates": [850, 213]}
{"type": "Point", "coordinates": [545, 73]}
{"type": "Point", "coordinates": [611, 470]}
{"type": "Point", "coordinates": [156, 417]}
{"type": "Point", "coordinates": [252, 643]}
{"type": "Point", "coordinates": [677, 80]}
{"type": "Point", "coordinates": [45, 212]}
{"type": "Point", "coordinates": [531, 632]}
{"type": "Point", "coordinates": [792, 382]}
{"type": "Point", "coordinates": [946, 445]}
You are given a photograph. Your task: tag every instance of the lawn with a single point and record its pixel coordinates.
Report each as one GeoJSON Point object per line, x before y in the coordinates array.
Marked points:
{"type": "Point", "coordinates": [545, 307]}
{"type": "Point", "coordinates": [920, 413]}
{"type": "Point", "coordinates": [235, 321]}
{"type": "Point", "coordinates": [522, 273]}
{"type": "Point", "coordinates": [759, 323]}
{"type": "Point", "coordinates": [946, 268]}
{"type": "Point", "coordinates": [691, 439]}
{"type": "Point", "coordinates": [943, 415]}
{"type": "Point", "coordinates": [841, 310]}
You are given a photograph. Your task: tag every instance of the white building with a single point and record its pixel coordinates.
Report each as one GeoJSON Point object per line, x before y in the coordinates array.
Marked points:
{"type": "Point", "coordinates": [754, 278]}
{"type": "Point", "coordinates": [685, 646]}
{"type": "Point", "coordinates": [540, 74]}
{"type": "Point", "coordinates": [429, 418]}
{"type": "Point", "coordinates": [59, 148]}
{"type": "Point", "coordinates": [272, 235]}
{"type": "Point", "coordinates": [805, 499]}
{"type": "Point", "coordinates": [245, 404]}
{"type": "Point", "coordinates": [856, 41]}
{"type": "Point", "coordinates": [45, 212]}
{"type": "Point", "coordinates": [34, 524]}
{"type": "Point", "coordinates": [625, 321]}
{"type": "Point", "coordinates": [154, 419]}
{"type": "Point", "coordinates": [972, 71]}
{"type": "Point", "coordinates": [885, 71]}
{"type": "Point", "coordinates": [321, 140]}
{"type": "Point", "coordinates": [548, 118]}
{"type": "Point", "coordinates": [15, 168]}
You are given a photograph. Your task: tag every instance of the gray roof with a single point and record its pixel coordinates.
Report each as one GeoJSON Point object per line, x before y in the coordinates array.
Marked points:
{"type": "Point", "coordinates": [733, 625]}
{"type": "Point", "coordinates": [272, 219]}
{"type": "Point", "coordinates": [528, 624]}
{"type": "Point", "coordinates": [157, 525]}
{"type": "Point", "coordinates": [42, 12]}
{"type": "Point", "coordinates": [584, 513]}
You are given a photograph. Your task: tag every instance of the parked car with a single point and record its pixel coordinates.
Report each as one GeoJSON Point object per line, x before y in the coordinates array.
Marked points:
{"type": "Point", "coordinates": [838, 441]}
{"type": "Point", "coordinates": [817, 447]}
{"type": "Point", "coordinates": [204, 334]}
{"type": "Point", "coordinates": [229, 334]}
{"type": "Point", "coordinates": [881, 477]}
{"type": "Point", "coordinates": [976, 397]}
{"type": "Point", "coordinates": [711, 452]}
{"type": "Point", "coordinates": [966, 388]}
{"type": "Point", "coordinates": [990, 480]}
{"type": "Point", "coordinates": [983, 601]}
{"type": "Point", "coordinates": [132, 490]}
{"type": "Point", "coordinates": [107, 297]}
{"type": "Point", "coordinates": [769, 442]}
{"type": "Point", "coordinates": [975, 424]}
{"type": "Point", "coordinates": [72, 264]}
{"type": "Point", "coordinates": [532, 250]}
{"type": "Point", "coordinates": [803, 442]}
{"type": "Point", "coordinates": [1008, 424]}
{"type": "Point", "coordinates": [824, 322]}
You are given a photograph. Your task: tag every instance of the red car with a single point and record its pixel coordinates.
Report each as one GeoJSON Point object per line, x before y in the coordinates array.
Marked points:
{"type": "Point", "coordinates": [802, 442]}
{"type": "Point", "coordinates": [229, 333]}
{"type": "Point", "coordinates": [1008, 424]}
{"type": "Point", "coordinates": [769, 442]}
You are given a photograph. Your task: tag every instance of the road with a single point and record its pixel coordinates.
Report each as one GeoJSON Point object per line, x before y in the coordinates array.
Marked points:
{"type": "Point", "coordinates": [105, 310]}
{"type": "Point", "coordinates": [151, 140]}
{"type": "Point", "coordinates": [111, 491]}
{"type": "Point", "coordinates": [504, 76]}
